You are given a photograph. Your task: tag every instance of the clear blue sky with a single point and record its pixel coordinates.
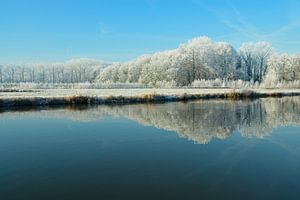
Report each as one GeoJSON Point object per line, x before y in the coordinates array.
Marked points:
{"type": "Point", "coordinates": [55, 30]}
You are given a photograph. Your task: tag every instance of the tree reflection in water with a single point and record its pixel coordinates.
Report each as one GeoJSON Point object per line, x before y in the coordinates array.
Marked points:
{"type": "Point", "coordinates": [199, 121]}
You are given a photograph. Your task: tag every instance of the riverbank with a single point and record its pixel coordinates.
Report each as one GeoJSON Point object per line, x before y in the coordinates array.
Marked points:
{"type": "Point", "coordinates": [48, 97]}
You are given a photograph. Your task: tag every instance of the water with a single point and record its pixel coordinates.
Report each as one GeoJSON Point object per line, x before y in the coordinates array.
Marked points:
{"type": "Point", "coordinates": [195, 150]}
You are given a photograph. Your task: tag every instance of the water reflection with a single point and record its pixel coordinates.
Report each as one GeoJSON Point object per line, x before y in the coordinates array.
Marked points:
{"type": "Point", "coordinates": [199, 121]}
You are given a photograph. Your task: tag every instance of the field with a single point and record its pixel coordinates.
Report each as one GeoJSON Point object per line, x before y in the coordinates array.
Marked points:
{"type": "Point", "coordinates": [45, 97]}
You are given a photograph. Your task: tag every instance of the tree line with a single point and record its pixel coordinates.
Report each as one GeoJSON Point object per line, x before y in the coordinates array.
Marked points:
{"type": "Point", "coordinates": [198, 59]}
{"type": "Point", "coordinates": [72, 71]}
{"type": "Point", "coordinates": [203, 59]}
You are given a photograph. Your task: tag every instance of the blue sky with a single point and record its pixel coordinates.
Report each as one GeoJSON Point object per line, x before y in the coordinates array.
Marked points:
{"type": "Point", "coordinates": [55, 30]}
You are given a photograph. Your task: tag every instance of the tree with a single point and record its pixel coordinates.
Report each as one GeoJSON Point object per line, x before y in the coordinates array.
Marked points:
{"type": "Point", "coordinates": [254, 58]}
{"type": "Point", "coordinates": [1, 75]}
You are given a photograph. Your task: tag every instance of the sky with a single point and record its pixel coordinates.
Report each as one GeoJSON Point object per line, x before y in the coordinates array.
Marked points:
{"type": "Point", "coordinates": [120, 30]}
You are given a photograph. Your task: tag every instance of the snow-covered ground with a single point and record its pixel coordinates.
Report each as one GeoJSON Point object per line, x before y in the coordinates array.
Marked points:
{"type": "Point", "coordinates": [106, 93]}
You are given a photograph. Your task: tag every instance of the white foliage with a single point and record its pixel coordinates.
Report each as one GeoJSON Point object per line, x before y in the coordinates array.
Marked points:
{"type": "Point", "coordinates": [253, 59]}
{"type": "Point", "coordinates": [72, 71]}
{"type": "Point", "coordinates": [218, 83]}
{"type": "Point", "coordinates": [200, 62]}
{"type": "Point", "coordinates": [200, 58]}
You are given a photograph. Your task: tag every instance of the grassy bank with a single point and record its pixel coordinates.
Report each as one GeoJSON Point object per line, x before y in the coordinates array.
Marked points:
{"type": "Point", "coordinates": [123, 96]}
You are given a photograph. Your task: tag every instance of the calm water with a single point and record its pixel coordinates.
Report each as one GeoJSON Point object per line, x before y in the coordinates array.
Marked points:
{"type": "Point", "coordinates": [195, 150]}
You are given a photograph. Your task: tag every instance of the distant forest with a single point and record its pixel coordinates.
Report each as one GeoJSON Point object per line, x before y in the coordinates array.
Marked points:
{"type": "Point", "coordinates": [198, 60]}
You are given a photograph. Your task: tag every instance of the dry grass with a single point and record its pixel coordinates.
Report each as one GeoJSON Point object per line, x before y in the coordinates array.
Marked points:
{"type": "Point", "coordinates": [140, 96]}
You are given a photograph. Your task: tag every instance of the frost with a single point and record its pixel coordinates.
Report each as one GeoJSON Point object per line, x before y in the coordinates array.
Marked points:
{"type": "Point", "coordinates": [200, 62]}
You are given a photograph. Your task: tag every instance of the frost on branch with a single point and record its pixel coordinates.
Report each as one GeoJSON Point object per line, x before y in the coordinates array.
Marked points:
{"type": "Point", "coordinates": [200, 62]}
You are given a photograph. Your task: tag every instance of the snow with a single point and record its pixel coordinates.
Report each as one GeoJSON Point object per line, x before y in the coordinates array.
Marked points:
{"type": "Point", "coordinates": [200, 62]}
{"type": "Point", "coordinates": [107, 93]}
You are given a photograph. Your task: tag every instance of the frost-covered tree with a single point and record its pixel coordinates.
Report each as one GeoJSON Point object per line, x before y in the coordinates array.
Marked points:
{"type": "Point", "coordinates": [72, 71]}
{"type": "Point", "coordinates": [197, 62]}
{"type": "Point", "coordinates": [200, 58]}
{"type": "Point", "coordinates": [296, 66]}
{"type": "Point", "coordinates": [281, 67]}
{"type": "Point", "coordinates": [254, 58]}
{"type": "Point", "coordinates": [1, 74]}
{"type": "Point", "coordinates": [225, 61]}
{"type": "Point", "coordinates": [197, 54]}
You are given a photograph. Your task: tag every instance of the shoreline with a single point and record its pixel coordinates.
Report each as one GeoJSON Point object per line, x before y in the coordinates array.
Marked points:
{"type": "Point", "coordinates": [56, 97]}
